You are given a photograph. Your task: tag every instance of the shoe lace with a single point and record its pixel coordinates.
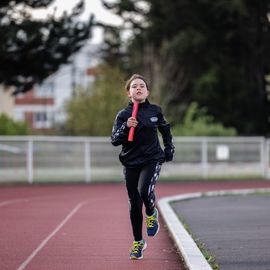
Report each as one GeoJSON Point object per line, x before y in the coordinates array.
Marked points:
{"type": "Point", "coordinates": [150, 221]}
{"type": "Point", "coordinates": [136, 247]}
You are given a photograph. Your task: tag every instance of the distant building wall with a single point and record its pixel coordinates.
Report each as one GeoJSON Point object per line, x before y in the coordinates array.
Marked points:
{"type": "Point", "coordinates": [37, 108]}
{"type": "Point", "coordinates": [6, 101]}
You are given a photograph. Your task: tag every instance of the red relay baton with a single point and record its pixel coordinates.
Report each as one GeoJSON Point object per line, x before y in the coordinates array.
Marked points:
{"type": "Point", "coordinates": [134, 114]}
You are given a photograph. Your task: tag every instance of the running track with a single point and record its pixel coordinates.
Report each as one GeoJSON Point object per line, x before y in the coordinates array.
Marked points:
{"type": "Point", "coordinates": [84, 227]}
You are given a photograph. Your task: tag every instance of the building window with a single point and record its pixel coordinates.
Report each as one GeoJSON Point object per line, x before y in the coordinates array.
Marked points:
{"type": "Point", "coordinates": [43, 120]}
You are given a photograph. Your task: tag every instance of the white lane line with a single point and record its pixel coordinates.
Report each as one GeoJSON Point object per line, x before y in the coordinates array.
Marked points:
{"type": "Point", "coordinates": [14, 201]}
{"type": "Point", "coordinates": [47, 239]}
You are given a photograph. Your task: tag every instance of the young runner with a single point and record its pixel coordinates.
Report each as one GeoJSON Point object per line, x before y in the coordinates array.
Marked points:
{"type": "Point", "coordinates": [142, 158]}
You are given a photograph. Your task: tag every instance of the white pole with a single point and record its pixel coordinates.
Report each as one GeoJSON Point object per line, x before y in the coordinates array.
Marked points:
{"type": "Point", "coordinates": [87, 162]}
{"type": "Point", "coordinates": [267, 153]}
{"type": "Point", "coordinates": [263, 159]}
{"type": "Point", "coordinates": [30, 173]}
{"type": "Point", "coordinates": [204, 157]}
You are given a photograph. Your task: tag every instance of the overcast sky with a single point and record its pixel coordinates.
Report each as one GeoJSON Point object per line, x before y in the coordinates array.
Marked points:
{"type": "Point", "coordinates": [91, 6]}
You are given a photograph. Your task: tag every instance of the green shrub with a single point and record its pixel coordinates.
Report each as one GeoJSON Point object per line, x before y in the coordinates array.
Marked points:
{"type": "Point", "coordinates": [197, 122]}
{"type": "Point", "coordinates": [10, 127]}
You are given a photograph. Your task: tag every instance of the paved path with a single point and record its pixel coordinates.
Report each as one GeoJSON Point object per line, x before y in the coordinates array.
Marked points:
{"type": "Point", "coordinates": [83, 227]}
{"type": "Point", "coordinates": [235, 229]}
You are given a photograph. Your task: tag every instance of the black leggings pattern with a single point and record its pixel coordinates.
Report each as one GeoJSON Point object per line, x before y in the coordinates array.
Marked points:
{"type": "Point", "coordinates": [140, 184]}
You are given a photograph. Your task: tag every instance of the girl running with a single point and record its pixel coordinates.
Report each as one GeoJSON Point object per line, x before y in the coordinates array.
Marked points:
{"type": "Point", "coordinates": [142, 158]}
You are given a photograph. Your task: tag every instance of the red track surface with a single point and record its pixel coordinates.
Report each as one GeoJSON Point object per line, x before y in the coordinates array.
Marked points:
{"type": "Point", "coordinates": [83, 227]}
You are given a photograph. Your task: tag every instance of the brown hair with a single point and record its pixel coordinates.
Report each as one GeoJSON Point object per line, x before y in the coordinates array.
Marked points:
{"type": "Point", "coordinates": [133, 77]}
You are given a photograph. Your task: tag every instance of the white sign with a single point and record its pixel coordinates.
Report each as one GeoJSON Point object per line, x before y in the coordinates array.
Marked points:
{"type": "Point", "coordinates": [222, 152]}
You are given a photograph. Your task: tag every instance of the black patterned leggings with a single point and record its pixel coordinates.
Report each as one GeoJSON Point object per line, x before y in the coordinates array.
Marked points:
{"type": "Point", "coordinates": [140, 184]}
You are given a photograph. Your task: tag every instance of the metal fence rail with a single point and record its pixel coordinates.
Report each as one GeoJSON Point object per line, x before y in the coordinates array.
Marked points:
{"type": "Point", "coordinates": [49, 159]}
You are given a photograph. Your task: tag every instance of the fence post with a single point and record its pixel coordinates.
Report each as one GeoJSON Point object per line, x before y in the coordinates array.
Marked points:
{"type": "Point", "coordinates": [267, 153]}
{"type": "Point", "coordinates": [263, 158]}
{"type": "Point", "coordinates": [30, 173]}
{"type": "Point", "coordinates": [87, 161]}
{"type": "Point", "coordinates": [204, 157]}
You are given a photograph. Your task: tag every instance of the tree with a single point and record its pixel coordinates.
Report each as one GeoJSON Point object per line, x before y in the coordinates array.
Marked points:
{"type": "Point", "coordinates": [31, 49]}
{"type": "Point", "coordinates": [213, 52]}
{"type": "Point", "coordinates": [92, 112]}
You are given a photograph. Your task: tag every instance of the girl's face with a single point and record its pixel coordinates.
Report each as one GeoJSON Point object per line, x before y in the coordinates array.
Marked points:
{"type": "Point", "coordinates": [138, 91]}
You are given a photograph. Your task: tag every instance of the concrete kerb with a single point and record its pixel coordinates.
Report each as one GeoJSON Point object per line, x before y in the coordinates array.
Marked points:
{"type": "Point", "coordinates": [191, 254]}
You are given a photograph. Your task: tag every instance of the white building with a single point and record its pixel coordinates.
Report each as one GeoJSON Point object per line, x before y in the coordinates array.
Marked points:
{"type": "Point", "coordinates": [74, 74]}
{"type": "Point", "coordinates": [44, 105]}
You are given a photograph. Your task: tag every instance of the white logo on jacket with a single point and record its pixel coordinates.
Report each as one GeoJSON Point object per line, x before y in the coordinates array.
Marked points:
{"type": "Point", "coordinates": [154, 119]}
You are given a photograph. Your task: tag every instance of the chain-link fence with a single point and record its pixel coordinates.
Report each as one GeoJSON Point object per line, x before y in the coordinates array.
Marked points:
{"type": "Point", "coordinates": [54, 159]}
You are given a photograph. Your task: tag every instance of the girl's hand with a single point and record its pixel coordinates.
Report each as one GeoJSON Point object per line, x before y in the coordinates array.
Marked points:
{"type": "Point", "coordinates": [132, 122]}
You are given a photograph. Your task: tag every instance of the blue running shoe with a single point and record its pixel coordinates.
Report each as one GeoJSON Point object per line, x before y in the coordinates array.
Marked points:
{"type": "Point", "coordinates": [137, 250]}
{"type": "Point", "coordinates": [152, 224]}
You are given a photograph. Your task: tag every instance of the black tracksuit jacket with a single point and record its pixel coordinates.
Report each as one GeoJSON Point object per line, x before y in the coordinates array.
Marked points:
{"type": "Point", "coordinates": [145, 147]}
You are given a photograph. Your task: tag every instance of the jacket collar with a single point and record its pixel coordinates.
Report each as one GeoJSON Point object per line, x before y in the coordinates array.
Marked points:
{"type": "Point", "coordinates": [146, 103]}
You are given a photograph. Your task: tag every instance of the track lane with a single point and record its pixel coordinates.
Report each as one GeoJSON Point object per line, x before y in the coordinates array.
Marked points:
{"type": "Point", "coordinates": [23, 226]}
{"type": "Point", "coordinates": [98, 236]}
{"type": "Point", "coordinates": [51, 235]}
